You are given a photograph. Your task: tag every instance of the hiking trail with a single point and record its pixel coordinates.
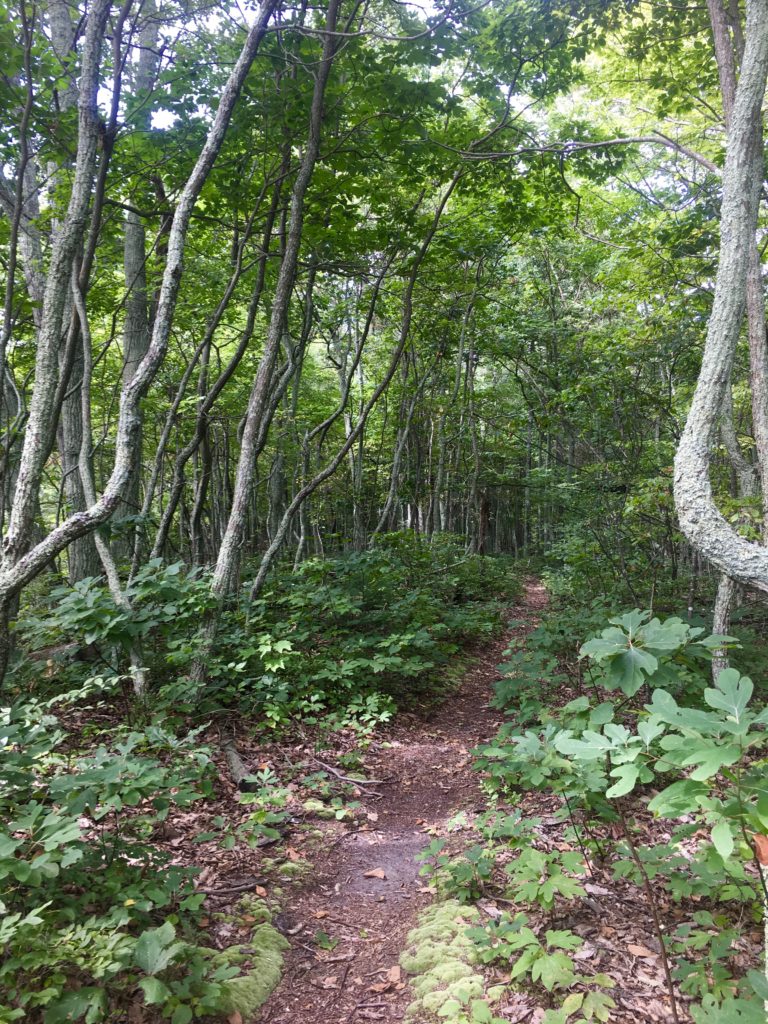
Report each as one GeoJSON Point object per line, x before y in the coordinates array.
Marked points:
{"type": "Point", "coordinates": [364, 891]}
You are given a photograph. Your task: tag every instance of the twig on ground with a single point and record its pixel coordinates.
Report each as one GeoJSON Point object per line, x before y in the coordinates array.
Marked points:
{"type": "Point", "coordinates": [229, 889]}
{"type": "Point", "coordinates": [347, 778]}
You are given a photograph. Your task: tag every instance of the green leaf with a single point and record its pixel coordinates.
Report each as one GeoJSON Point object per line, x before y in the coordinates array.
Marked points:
{"type": "Point", "coordinates": [181, 1015]}
{"type": "Point", "coordinates": [628, 671]}
{"type": "Point", "coordinates": [729, 1011]}
{"type": "Point", "coordinates": [155, 949]}
{"type": "Point", "coordinates": [732, 694]}
{"type": "Point", "coordinates": [627, 777]}
{"type": "Point", "coordinates": [481, 1012]}
{"type": "Point", "coordinates": [679, 798]}
{"type": "Point", "coordinates": [554, 970]}
{"type": "Point", "coordinates": [563, 940]}
{"type": "Point", "coordinates": [155, 991]}
{"type": "Point", "coordinates": [89, 1002]}
{"type": "Point", "coordinates": [722, 838]}
{"type": "Point", "coordinates": [710, 758]}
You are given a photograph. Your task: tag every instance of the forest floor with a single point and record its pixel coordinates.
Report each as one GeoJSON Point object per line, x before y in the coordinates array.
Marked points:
{"type": "Point", "coordinates": [347, 881]}
{"type": "Point", "coordinates": [365, 890]}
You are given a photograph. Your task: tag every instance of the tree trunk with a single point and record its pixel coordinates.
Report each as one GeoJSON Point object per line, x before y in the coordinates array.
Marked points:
{"type": "Point", "coordinates": [700, 520]}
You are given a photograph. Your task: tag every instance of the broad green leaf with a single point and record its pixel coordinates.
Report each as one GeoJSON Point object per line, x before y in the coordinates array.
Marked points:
{"type": "Point", "coordinates": [155, 949]}
{"type": "Point", "coordinates": [679, 798]}
{"type": "Point", "coordinates": [732, 694]}
{"type": "Point", "coordinates": [87, 1002]}
{"type": "Point", "coordinates": [722, 837]}
{"type": "Point", "coordinates": [629, 670]}
{"type": "Point", "coordinates": [728, 1011]}
{"type": "Point", "coordinates": [626, 774]}
{"type": "Point", "coordinates": [554, 970]}
{"type": "Point", "coordinates": [155, 991]}
{"type": "Point", "coordinates": [710, 757]}
{"type": "Point", "coordinates": [631, 621]}
{"type": "Point", "coordinates": [481, 1012]}
{"type": "Point", "coordinates": [649, 730]}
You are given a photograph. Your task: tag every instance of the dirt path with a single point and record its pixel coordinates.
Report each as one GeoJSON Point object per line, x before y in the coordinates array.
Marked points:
{"type": "Point", "coordinates": [429, 781]}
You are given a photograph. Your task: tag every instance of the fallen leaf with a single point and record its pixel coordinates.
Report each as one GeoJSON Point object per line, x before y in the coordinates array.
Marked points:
{"type": "Point", "coordinates": [586, 952]}
{"type": "Point", "coordinates": [642, 951]}
{"type": "Point", "coordinates": [761, 845]}
{"type": "Point", "coordinates": [330, 982]}
{"type": "Point", "coordinates": [261, 891]}
{"type": "Point", "coordinates": [393, 974]}
{"type": "Point", "coordinates": [597, 890]}
{"type": "Point", "coordinates": [320, 913]}
{"type": "Point", "coordinates": [375, 873]}
{"type": "Point", "coordinates": [235, 1018]}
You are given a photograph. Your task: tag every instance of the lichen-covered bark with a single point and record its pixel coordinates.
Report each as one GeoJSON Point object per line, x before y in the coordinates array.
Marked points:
{"type": "Point", "coordinates": [41, 422]}
{"type": "Point", "coordinates": [18, 571]}
{"type": "Point", "coordinates": [227, 564]}
{"type": "Point", "coordinates": [699, 517]}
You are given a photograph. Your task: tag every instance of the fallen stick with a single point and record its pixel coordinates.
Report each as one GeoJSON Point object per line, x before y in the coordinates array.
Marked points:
{"type": "Point", "coordinates": [346, 778]}
{"type": "Point", "coordinates": [229, 889]}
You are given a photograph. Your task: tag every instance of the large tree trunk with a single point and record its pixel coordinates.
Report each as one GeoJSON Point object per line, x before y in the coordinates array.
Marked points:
{"type": "Point", "coordinates": [136, 330]}
{"type": "Point", "coordinates": [41, 423]}
{"type": "Point", "coordinates": [700, 519]}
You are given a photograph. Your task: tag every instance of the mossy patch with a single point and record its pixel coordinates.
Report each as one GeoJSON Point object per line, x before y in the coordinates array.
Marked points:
{"type": "Point", "coordinates": [319, 809]}
{"type": "Point", "coordinates": [440, 959]}
{"type": "Point", "coordinates": [262, 959]}
{"type": "Point", "coordinates": [291, 869]}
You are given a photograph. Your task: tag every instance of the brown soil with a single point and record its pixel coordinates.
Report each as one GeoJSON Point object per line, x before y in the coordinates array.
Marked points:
{"type": "Point", "coordinates": [427, 782]}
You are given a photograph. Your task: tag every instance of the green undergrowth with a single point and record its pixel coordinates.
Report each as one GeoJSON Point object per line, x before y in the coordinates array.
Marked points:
{"type": "Point", "coordinates": [96, 913]}
{"type": "Point", "coordinates": [634, 729]}
{"type": "Point", "coordinates": [347, 637]}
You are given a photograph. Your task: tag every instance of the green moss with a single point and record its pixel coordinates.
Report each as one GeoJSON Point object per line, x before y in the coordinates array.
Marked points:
{"type": "Point", "coordinates": [294, 868]}
{"type": "Point", "coordinates": [255, 907]}
{"type": "Point", "coordinates": [319, 809]}
{"type": "Point", "coordinates": [443, 974]}
{"type": "Point", "coordinates": [460, 991]}
{"type": "Point", "coordinates": [439, 956]}
{"type": "Point", "coordinates": [264, 954]}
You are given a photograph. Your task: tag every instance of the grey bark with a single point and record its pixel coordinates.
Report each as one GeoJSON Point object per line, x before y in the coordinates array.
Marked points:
{"type": "Point", "coordinates": [136, 330]}
{"type": "Point", "coordinates": [19, 568]}
{"type": "Point", "coordinates": [700, 519]}
{"type": "Point", "coordinates": [40, 428]}
{"type": "Point", "coordinates": [227, 564]}
{"type": "Point", "coordinates": [82, 557]}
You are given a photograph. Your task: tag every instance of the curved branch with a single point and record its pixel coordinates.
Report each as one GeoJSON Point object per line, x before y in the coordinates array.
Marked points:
{"type": "Point", "coordinates": [700, 520]}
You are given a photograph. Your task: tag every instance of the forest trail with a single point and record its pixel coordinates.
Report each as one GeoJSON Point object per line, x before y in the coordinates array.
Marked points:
{"type": "Point", "coordinates": [428, 782]}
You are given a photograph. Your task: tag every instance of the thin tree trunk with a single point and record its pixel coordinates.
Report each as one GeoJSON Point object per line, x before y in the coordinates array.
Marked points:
{"type": "Point", "coordinates": [227, 563]}
{"type": "Point", "coordinates": [19, 568]}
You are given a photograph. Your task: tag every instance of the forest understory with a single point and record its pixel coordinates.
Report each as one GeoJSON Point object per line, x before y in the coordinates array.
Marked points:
{"type": "Point", "coordinates": [361, 890]}
{"type": "Point", "coordinates": [383, 511]}
{"type": "Point", "coordinates": [373, 881]}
